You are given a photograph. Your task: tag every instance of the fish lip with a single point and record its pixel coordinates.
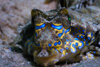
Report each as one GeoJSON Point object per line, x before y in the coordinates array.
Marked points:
{"type": "Point", "coordinates": [51, 57]}
{"type": "Point", "coordinates": [46, 61]}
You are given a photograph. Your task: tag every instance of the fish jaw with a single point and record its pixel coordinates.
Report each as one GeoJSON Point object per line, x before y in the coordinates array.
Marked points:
{"type": "Point", "coordinates": [46, 60]}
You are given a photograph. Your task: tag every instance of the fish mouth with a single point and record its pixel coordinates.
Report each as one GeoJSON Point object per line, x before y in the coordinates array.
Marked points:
{"type": "Point", "coordinates": [45, 58]}
{"type": "Point", "coordinates": [45, 61]}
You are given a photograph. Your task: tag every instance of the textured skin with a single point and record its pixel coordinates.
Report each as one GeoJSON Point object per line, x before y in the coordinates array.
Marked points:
{"type": "Point", "coordinates": [51, 38]}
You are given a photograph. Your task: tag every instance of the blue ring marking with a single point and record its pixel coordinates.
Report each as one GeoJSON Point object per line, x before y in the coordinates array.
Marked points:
{"type": "Point", "coordinates": [88, 32]}
{"type": "Point", "coordinates": [89, 38]}
{"type": "Point", "coordinates": [36, 34]}
{"type": "Point", "coordinates": [28, 39]}
{"type": "Point", "coordinates": [76, 44]}
{"type": "Point", "coordinates": [55, 48]}
{"type": "Point", "coordinates": [39, 27]}
{"type": "Point", "coordinates": [84, 39]}
{"type": "Point", "coordinates": [76, 39]}
{"type": "Point", "coordinates": [28, 43]}
{"type": "Point", "coordinates": [62, 55]}
{"type": "Point", "coordinates": [55, 43]}
{"type": "Point", "coordinates": [66, 35]}
{"type": "Point", "coordinates": [81, 36]}
{"type": "Point", "coordinates": [41, 48]}
{"type": "Point", "coordinates": [83, 30]}
{"type": "Point", "coordinates": [77, 35]}
{"type": "Point", "coordinates": [37, 44]}
{"type": "Point", "coordinates": [76, 28]}
{"type": "Point", "coordinates": [92, 56]}
{"type": "Point", "coordinates": [67, 48]}
{"type": "Point", "coordinates": [64, 43]}
{"type": "Point", "coordinates": [94, 52]}
{"type": "Point", "coordinates": [61, 50]}
{"type": "Point", "coordinates": [59, 43]}
{"type": "Point", "coordinates": [83, 33]}
{"type": "Point", "coordinates": [51, 48]}
{"type": "Point", "coordinates": [60, 34]}
{"type": "Point", "coordinates": [67, 30]}
{"type": "Point", "coordinates": [81, 45]}
{"type": "Point", "coordinates": [47, 28]}
{"type": "Point", "coordinates": [30, 46]}
{"type": "Point", "coordinates": [73, 33]}
{"type": "Point", "coordinates": [87, 43]}
{"type": "Point", "coordinates": [66, 53]}
{"type": "Point", "coordinates": [70, 43]}
{"type": "Point", "coordinates": [74, 48]}
{"type": "Point", "coordinates": [79, 31]}
{"type": "Point", "coordinates": [67, 40]}
{"type": "Point", "coordinates": [64, 38]}
{"type": "Point", "coordinates": [57, 27]}
{"type": "Point", "coordinates": [91, 34]}
{"type": "Point", "coordinates": [49, 45]}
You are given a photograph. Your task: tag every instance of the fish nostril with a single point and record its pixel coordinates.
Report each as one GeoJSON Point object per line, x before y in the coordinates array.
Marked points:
{"type": "Point", "coordinates": [56, 32]}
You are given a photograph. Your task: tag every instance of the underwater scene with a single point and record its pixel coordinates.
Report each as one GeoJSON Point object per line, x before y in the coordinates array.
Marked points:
{"type": "Point", "coordinates": [49, 33]}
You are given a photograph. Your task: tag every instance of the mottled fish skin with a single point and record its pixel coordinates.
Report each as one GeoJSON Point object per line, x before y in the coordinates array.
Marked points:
{"type": "Point", "coordinates": [51, 38]}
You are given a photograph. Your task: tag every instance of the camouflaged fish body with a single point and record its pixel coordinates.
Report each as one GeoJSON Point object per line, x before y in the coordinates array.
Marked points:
{"type": "Point", "coordinates": [51, 38]}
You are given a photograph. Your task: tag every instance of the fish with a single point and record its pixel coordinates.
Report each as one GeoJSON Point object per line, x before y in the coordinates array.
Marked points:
{"type": "Point", "coordinates": [51, 38]}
